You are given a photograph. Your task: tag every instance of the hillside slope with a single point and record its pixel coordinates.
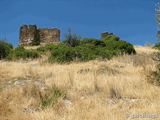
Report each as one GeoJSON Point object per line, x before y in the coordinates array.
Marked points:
{"type": "Point", "coordinates": [94, 90]}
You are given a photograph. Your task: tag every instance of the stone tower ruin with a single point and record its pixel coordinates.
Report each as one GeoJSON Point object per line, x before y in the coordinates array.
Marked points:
{"type": "Point", "coordinates": [105, 34]}
{"type": "Point", "coordinates": [30, 34]}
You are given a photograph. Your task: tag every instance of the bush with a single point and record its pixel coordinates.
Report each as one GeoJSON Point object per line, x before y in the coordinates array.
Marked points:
{"type": "Point", "coordinates": [111, 37]}
{"type": "Point", "coordinates": [21, 52]}
{"type": "Point", "coordinates": [72, 39]}
{"type": "Point", "coordinates": [72, 43]}
{"type": "Point", "coordinates": [85, 52]}
{"type": "Point", "coordinates": [89, 49]}
{"type": "Point", "coordinates": [51, 96]}
{"type": "Point", "coordinates": [33, 54]}
{"type": "Point", "coordinates": [41, 49]}
{"type": "Point", "coordinates": [104, 53]}
{"type": "Point", "coordinates": [62, 54]}
{"type": "Point", "coordinates": [34, 43]}
{"type": "Point", "coordinates": [120, 45]}
{"type": "Point", "coordinates": [157, 46]}
{"type": "Point", "coordinates": [96, 42]}
{"type": "Point", "coordinates": [5, 49]}
{"type": "Point", "coordinates": [49, 47]}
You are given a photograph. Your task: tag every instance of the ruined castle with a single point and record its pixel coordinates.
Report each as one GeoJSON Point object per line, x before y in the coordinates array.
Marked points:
{"type": "Point", "coordinates": [105, 34]}
{"type": "Point", "coordinates": [30, 34]}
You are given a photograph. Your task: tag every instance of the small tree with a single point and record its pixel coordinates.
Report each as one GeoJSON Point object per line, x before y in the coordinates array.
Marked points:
{"type": "Point", "coordinates": [72, 39]}
{"type": "Point", "coordinates": [5, 48]}
{"type": "Point", "coordinates": [158, 20]}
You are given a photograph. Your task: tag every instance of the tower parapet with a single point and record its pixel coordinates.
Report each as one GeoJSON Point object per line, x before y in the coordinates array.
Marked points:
{"type": "Point", "coordinates": [105, 34]}
{"type": "Point", "coordinates": [31, 34]}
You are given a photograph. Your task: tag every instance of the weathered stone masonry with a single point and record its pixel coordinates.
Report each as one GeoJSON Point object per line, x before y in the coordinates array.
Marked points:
{"type": "Point", "coordinates": [29, 34]}
{"type": "Point", "coordinates": [105, 34]}
{"type": "Point", "coordinates": [43, 35]}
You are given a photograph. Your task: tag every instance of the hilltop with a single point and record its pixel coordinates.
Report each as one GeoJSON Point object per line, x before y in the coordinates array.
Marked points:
{"type": "Point", "coordinates": [93, 90]}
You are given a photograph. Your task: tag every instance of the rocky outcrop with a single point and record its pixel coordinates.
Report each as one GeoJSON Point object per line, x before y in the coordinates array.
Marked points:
{"type": "Point", "coordinates": [42, 35]}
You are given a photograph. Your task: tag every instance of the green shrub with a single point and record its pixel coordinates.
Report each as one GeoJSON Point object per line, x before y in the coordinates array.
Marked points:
{"type": "Point", "coordinates": [21, 52]}
{"type": "Point", "coordinates": [103, 53]}
{"type": "Point", "coordinates": [120, 45]}
{"type": "Point", "coordinates": [72, 39]}
{"type": "Point", "coordinates": [72, 42]}
{"type": "Point", "coordinates": [5, 48]}
{"type": "Point", "coordinates": [33, 54]}
{"type": "Point", "coordinates": [34, 43]}
{"type": "Point", "coordinates": [41, 49]}
{"type": "Point", "coordinates": [51, 96]}
{"type": "Point", "coordinates": [19, 48]}
{"type": "Point", "coordinates": [89, 49]}
{"type": "Point", "coordinates": [111, 37]}
{"type": "Point", "coordinates": [157, 46]}
{"type": "Point", "coordinates": [17, 53]}
{"type": "Point", "coordinates": [85, 52]}
{"type": "Point", "coordinates": [62, 54]}
{"type": "Point", "coordinates": [49, 47]}
{"type": "Point", "coordinates": [96, 42]}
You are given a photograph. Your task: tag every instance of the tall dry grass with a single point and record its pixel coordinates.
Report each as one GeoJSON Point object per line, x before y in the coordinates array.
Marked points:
{"type": "Point", "coordinates": [86, 84]}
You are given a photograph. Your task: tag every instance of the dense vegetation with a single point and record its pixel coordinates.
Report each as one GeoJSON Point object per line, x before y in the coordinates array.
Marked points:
{"type": "Point", "coordinates": [87, 49]}
{"type": "Point", "coordinates": [72, 48]}
{"type": "Point", "coordinates": [5, 48]}
{"type": "Point", "coordinates": [21, 52]}
{"type": "Point", "coordinates": [157, 46]}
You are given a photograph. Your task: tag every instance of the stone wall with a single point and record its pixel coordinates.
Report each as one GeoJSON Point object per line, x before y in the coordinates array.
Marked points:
{"type": "Point", "coordinates": [43, 35]}
{"type": "Point", "coordinates": [105, 34]}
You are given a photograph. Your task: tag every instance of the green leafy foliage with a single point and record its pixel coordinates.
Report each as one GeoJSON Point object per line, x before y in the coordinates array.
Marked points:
{"type": "Point", "coordinates": [51, 96]}
{"type": "Point", "coordinates": [157, 46]}
{"type": "Point", "coordinates": [120, 45]}
{"type": "Point", "coordinates": [50, 47]}
{"type": "Point", "coordinates": [33, 54]}
{"type": "Point", "coordinates": [5, 49]}
{"type": "Point", "coordinates": [85, 52]}
{"type": "Point", "coordinates": [72, 39]}
{"type": "Point", "coordinates": [94, 41]}
{"type": "Point", "coordinates": [112, 38]}
{"type": "Point", "coordinates": [34, 43]}
{"type": "Point", "coordinates": [21, 52]}
{"type": "Point", "coordinates": [62, 54]}
{"type": "Point", "coordinates": [41, 49]}
{"type": "Point", "coordinates": [90, 48]}
{"type": "Point", "coordinates": [104, 53]}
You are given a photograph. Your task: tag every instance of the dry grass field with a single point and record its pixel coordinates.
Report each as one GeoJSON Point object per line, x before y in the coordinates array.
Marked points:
{"type": "Point", "coordinates": [96, 90]}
